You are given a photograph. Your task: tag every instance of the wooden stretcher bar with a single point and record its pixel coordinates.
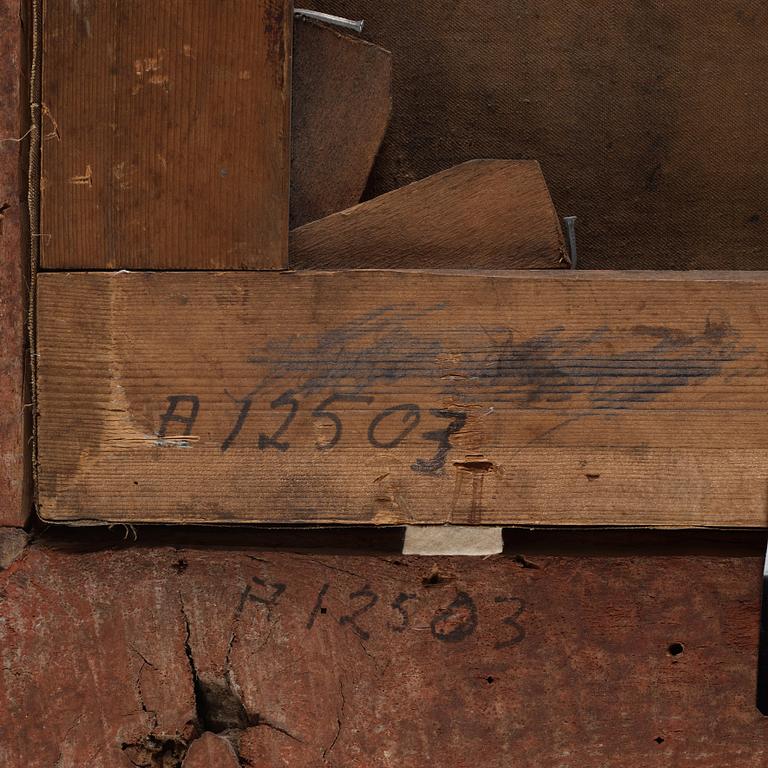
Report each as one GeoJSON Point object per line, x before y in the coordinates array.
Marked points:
{"type": "Point", "coordinates": [398, 397]}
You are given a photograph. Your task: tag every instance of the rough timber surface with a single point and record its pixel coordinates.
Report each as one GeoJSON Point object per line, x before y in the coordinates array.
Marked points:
{"type": "Point", "coordinates": [403, 397]}
{"type": "Point", "coordinates": [166, 134]}
{"type": "Point", "coordinates": [483, 214]}
{"type": "Point", "coordinates": [13, 286]}
{"type": "Point", "coordinates": [152, 655]}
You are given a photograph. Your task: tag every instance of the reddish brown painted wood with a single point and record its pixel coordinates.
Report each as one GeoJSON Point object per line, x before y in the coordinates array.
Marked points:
{"type": "Point", "coordinates": [505, 398]}
{"type": "Point", "coordinates": [12, 543]}
{"type": "Point", "coordinates": [13, 282]}
{"type": "Point", "coordinates": [211, 751]}
{"type": "Point", "coordinates": [341, 105]}
{"type": "Point", "coordinates": [166, 134]}
{"type": "Point", "coordinates": [102, 649]}
{"type": "Point", "coordinates": [484, 214]}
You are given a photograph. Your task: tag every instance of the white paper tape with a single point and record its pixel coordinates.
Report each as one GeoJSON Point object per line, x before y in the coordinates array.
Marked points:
{"type": "Point", "coordinates": [472, 540]}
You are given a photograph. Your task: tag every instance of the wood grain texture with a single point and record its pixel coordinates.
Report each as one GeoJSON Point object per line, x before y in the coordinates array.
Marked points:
{"type": "Point", "coordinates": [14, 458]}
{"type": "Point", "coordinates": [166, 134]}
{"type": "Point", "coordinates": [341, 105]}
{"type": "Point", "coordinates": [130, 655]}
{"type": "Point", "coordinates": [399, 397]}
{"type": "Point", "coordinates": [649, 121]}
{"type": "Point", "coordinates": [483, 214]}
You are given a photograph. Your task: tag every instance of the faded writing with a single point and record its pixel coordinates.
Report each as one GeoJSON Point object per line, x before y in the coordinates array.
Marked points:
{"type": "Point", "coordinates": [454, 621]}
{"type": "Point", "coordinates": [587, 372]}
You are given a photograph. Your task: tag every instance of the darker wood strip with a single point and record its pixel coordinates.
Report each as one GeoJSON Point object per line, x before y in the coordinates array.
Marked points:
{"type": "Point", "coordinates": [15, 460]}
{"type": "Point", "coordinates": [166, 134]}
{"type": "Point", "coordinates": [155, 645]}
{"type": "Point", "coordinates": [341, 104]}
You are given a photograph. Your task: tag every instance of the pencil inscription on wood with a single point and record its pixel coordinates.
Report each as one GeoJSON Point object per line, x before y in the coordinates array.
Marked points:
{"type": "Point", "coordinates": [476, 398]}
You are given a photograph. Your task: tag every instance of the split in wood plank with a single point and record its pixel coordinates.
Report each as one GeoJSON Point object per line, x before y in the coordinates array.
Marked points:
{"type": "Point", "coordinates": [166, 134]}
{"type": "Point", "coordinates": [588, 398]}
{"type": "Point", "coordinates": [482, 214]}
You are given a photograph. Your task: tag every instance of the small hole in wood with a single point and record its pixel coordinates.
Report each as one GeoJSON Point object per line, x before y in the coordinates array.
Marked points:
{"type": "Point", "coordinates": [659, 740]}
{"type": "Point", "coordinates": [434, 579]}
{"type": "Point", "coordinates": [489, 679]}
{"type": "Point", "coordinates": [675, 649]}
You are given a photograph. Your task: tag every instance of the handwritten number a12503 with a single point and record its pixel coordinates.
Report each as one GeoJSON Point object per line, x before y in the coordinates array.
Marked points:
{"type": "Point", "coordinates": [398, 604]}
{"type": "Point", "coordinates": [443, 439]}
{"type": "Point", "coordinates": [351, 619]}
{"type": "Point", "coordinates": [265, 441]}
{"type": "Point", "coordinates": [511, 621]}
{"type": "Point", "coordinates": [456, 622]}
{"type": "Point", "coordinates": [276, 589]}
{"type": "Point", "coordinates": [322, 412]}
{"type": "Point", "coordinates": [411, 415]}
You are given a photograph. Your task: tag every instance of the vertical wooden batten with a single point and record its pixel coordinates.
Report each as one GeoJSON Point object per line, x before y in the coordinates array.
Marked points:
{"type": "Point", "coordinates": [165, 134]}
{"type": "Point", "coordinates": [14, 460]}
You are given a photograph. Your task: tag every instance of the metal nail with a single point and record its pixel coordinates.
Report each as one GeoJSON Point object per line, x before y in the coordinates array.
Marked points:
{"type": "Point", "coordinates": [337, 21]}
{"type": "Point", "coordinates": [570, 228]}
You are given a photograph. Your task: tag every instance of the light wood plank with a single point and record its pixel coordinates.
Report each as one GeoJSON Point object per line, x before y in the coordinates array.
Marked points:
{"type": "Point", "coordinates": [482, 214]}
{"type": "Point", "coordinates": [166, 134]}
{"type": "Point", "coordinates": [577, 398]}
